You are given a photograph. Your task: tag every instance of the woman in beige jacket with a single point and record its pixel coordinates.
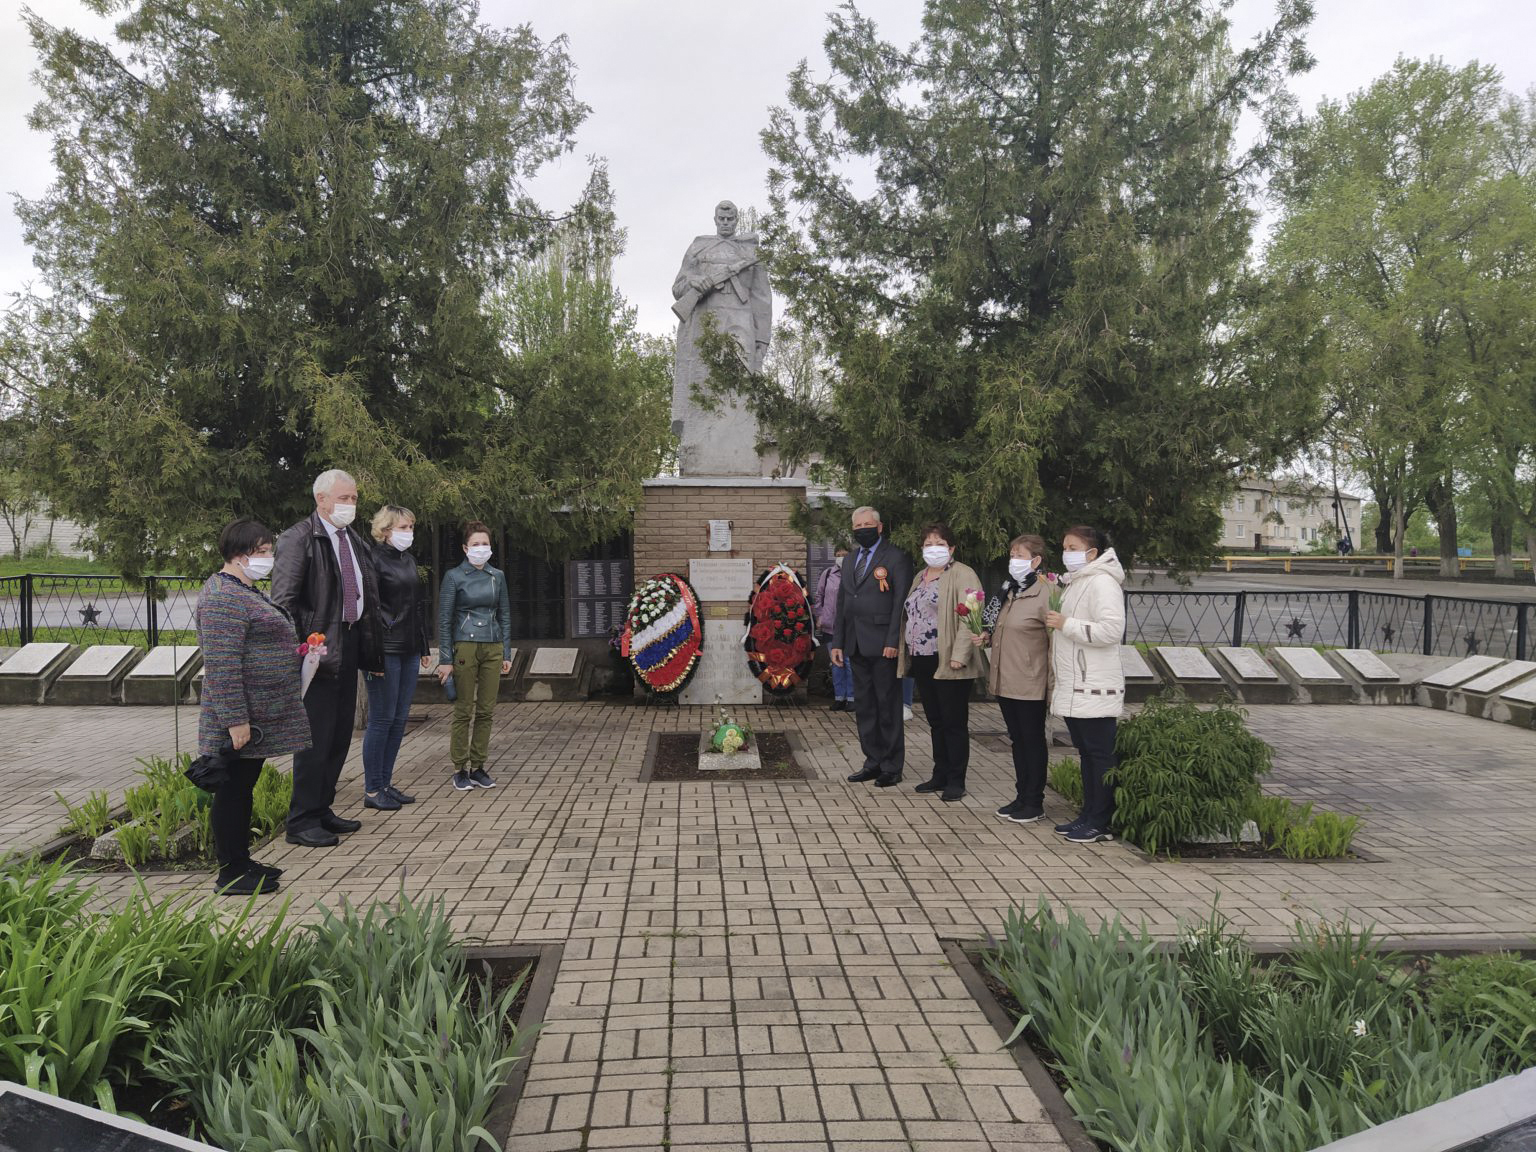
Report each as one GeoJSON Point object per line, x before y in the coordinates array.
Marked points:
{"type": "Point", "coordinates": [1020, 649]}
{"type": "Point", "coordinates": [937, 651]}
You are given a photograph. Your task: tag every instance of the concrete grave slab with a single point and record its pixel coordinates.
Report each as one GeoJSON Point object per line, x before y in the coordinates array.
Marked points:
{"type": "Point", "coordinates": [26, 676]}
{"type": "Point", "coordinates": [96, 677]}
{"type": "Point", "coordinates": [554, 662]}
{"type": "Point", "coordinates": [1141, 679]}
{"type": "Point", "coordinates": [1308, 664]}
{"type": "Point", "coordinates": [1477, 697]}
{"type": "Point", "coordinates": [1366, 664]}
{"type": "Point", "coordinates": [740, 760]}
{"type": "Point", "coordinates": [556, 674]}
{"type": "Point", "coordinates": [1501, 677]}
{"type": "Point", "coordinates": [1195, 675]}
{"type": "Point", "coordinates": [1517, 705]}
{"type": "Point", "coordinates": [1316, 680]}
{"type": "Point", "coordinates": [164, 676]}
{"type": "Point", "coordinates": [1251, 677]}
{"type": "Point", "coordinates": [1375, 680]}
{"type": "Point", "coordinates": [1460, 672]}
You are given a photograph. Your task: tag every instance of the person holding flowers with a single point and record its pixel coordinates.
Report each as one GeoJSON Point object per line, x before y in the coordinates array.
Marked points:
{"type": "Point", "coordinates": [941, 621]}
{"type": "Point", "coordinates": [1018, 643]}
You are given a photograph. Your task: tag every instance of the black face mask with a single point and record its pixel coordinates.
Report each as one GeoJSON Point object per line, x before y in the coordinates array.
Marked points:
{"type": "Point", "coordinates": [866, 537]}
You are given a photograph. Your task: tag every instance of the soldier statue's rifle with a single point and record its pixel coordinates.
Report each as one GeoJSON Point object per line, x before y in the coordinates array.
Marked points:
{"type": "Point", "coordinates": [684, 305]}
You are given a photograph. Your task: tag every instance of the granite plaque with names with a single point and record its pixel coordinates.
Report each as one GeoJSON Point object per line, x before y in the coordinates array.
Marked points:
{"type": "Point", "coordinates": [1366, 664]}
{"type": "Point", "coordinates": [33, 659]}
{"type": "Point", "coordinates": [1500, 677]}
{"type": "Point", "coordinates": [1133, 665]}
{"type": "Point", "coordinates": [1188, 663]}
{"type": "Point", "coordinates": [721, 579]}
{"type": "Point", "coordinates": [32, 1122]}
{"type": "Point", "coordinates": [1248, 664]}
{"type": "Point", "coordinates": [722, 672]}
{"type": "Point", "coordinates": [553, 662]}
{"type": "Point", "coordinates": [1462, 671]}
{"type": "Point", "coordinates": [1308, 664]}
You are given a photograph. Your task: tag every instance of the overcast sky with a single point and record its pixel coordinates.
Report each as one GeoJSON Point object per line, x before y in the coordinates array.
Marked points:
{"type": "Point", "coordinates": [679, 90]}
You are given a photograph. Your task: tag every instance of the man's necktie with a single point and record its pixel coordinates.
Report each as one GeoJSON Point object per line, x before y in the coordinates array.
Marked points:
{"type": "Point", "coordinates": [348, 579]}
{"type": "Point", "coordinates": [864, 555]}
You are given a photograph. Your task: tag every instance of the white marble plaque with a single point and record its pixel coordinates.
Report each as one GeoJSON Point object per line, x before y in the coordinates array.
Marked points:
{"type": "Point", "coordinates": [721, 579]}
{"type": "Point", "coordinates": [1366, 664]}
{"type": "Point", "coordinates": [1462, 671]}
{"type": "Point", "coordinates": [719, 535]}
{"type": "Point", "coordinates": [1521, 693]}
{"type": "Point", "coordinates": [1501, 677]}
{"type": "Point", "coordinates": [553, 662]}
{"type": "Point", "coordinates": [166, 660]}
{"type": "Point", "coordinates": [722, 672]}
{"type": "Point", "coordinates": [1188, 664]}
{"type": "Point", "coordinates": [1308, 664]}
{"type": "Point", "coordinates": [33, 659]}
{"type": "Point", "coordinates": [1248, 664]}
{"type": "Point", "coordinates": [1133, 665]}
{"type": "Point", "coordinates": [100, 661]}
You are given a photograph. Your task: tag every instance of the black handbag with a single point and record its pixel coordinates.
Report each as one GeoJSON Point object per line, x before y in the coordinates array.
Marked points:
{"type": "Point", "coordinates": [210, 773]}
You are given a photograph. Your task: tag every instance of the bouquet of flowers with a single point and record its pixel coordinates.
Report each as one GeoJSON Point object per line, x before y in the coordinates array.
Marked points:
{"type": "Point", "coordinates": [663, 634]}
{"type": "Point", "coordinates": [781, 640]}
{"type": "Point", "coordinates": [728, 736]}
{"type": "Point", "coordinates": [1056, 583]}
{"type": "Point", "coordinates": [970, 610]}
{"type": "Point", "coordinates": [310, 652]}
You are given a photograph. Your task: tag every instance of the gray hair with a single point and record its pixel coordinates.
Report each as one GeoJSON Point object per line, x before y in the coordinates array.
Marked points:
{"type": "Point", "coordinates": [328, 480]}
{"type": "Point", "coordinates": [863, 508]}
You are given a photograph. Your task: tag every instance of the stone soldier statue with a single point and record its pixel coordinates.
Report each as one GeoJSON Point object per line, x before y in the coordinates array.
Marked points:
{"type": "Point", "coordinates": [721, 277]}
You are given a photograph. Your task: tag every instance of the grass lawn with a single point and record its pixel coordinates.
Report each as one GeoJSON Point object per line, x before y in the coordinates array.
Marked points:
{"type": "Point", "coordinates": [53, 566]}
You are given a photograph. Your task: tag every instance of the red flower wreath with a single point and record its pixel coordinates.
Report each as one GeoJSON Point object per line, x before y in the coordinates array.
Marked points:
{"type": "Point", "coordinates": [779, 642]}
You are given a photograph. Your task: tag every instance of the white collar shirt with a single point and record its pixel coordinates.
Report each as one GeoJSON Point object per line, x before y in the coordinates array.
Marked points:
{"type": "Point", "coordinates": [332, 531]}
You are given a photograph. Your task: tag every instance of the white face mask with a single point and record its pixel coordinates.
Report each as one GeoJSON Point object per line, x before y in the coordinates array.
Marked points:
{"type": "Point", "coordinates": [478, 554]}
{"type": "Point", "coordinates": [343, 514]}
{"type": "Point", "coordinates": [258, 567]}
{"type": "Point", "coordinates": [1019, 568]}
{"type": "Point", "coordinates": [1074, 560]}
{"type": "Point", "coordinates": [402, 539]}
{"type": "Point", "coordinates": [936, 555]}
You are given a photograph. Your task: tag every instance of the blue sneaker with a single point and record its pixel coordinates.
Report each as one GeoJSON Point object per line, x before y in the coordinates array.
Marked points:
{"type": "Point", "coordinates": [1089, 834]}
{"type": "Point", "coordinates": [1069, 827]}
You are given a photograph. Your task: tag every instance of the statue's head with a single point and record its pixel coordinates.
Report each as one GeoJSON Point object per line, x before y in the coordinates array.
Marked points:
{"type": "Point", "coordinates": [725, 218]}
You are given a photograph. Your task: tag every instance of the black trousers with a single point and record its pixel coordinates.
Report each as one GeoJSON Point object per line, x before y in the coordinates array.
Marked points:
{"type": "Point", "coordinates": [877, 708]}
{"type": "Point", "coordinates": [947, 708]}
{"type": "Point", "coordinates": [332, 708]}
{"type": "Point", "coordinates": [229, 816]}
{"type": "Point", "coordinates": [1094, 739]}
{"type": "Point", "coordinates": [1025, 720]}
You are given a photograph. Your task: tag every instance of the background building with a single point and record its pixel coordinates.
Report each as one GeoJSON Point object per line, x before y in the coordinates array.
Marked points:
{"type": "Point", "coordinates": [1287, 515]}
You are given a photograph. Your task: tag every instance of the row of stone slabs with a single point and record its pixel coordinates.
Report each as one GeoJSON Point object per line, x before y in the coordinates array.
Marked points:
{"type": "Point", "coordinates": [55, 673]}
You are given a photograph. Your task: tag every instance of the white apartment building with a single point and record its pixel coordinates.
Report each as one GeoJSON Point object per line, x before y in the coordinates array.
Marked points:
{"type": "Point", "coordinates": [1287, 515]}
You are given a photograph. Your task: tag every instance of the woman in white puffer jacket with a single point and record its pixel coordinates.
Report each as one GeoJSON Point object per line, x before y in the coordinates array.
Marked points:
{"type": "Point", "coordinates": [1088, 689]}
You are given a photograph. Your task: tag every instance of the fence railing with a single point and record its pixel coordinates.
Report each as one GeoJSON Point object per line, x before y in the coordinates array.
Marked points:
{"type": "Point", "coordinates": [108, 609]}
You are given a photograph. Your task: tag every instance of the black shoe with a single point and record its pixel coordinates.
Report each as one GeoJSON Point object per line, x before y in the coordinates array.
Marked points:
{"type": "Point", "coordinates": [248, 883]}
{"type": "Point", "coordinates": [400, 797]}
{"type": "Point", "coordinates": [838, 706]}
{"type": "Point", "coordinates": [1025, 815]}
{"type": "Point", "coordinates": [480, 778]}
{"type": "Point", "coordinates": [462, 782]}
{"type": "Point", "coordinates": [889, 780]}
{"type": "Point", "coordinates": [339, 824]}
{"type": "Point", "coordinates": [1089, 834]}
{"type": "Point", "coordinates": [381, 800]}
{"type": "Point", "coordinates": [1069, 827]}
{"type": "Point", "coordinates": [929, 786]}
{"type": "Point", "coordinates": [313, 838]}
{"type": "Point", "coordinates": [264, 869]}
{"type": "Point", "coordinates": [1008, 809]}
{"type": "Point", "coordinates": [952, 793]}
{"type": "Point", "coordinates": [867, 774]}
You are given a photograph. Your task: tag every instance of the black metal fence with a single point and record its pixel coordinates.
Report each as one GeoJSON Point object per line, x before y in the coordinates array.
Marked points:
{"type": "Point", "coordinates": [102, 609]}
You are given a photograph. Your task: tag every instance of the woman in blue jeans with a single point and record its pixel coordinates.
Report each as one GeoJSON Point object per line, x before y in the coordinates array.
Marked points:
{"type": "Point", "coordinates": [403, 614]}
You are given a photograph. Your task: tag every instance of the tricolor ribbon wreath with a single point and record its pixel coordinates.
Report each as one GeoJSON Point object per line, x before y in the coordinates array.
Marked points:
{"type": "Point", "coordinates": [780, 640]}
{"type": "Point", "coordinates": [663, 633]}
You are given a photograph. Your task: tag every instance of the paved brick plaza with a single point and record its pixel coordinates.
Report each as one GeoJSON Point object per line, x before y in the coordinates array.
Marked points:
{"type": "Point", "coordinates": [760, 964]}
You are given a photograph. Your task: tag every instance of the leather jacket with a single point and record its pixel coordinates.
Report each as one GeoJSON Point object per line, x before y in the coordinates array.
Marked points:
{"type": "Point", "coordinates": [402, 601]}
{"type": "Point", "coordinates": [473, 607]}
{"type": "Point", "coordinates": [306, 583]}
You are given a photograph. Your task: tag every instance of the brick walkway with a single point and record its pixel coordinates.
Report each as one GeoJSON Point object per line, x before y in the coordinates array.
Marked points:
{"type": "Point", "coordinates": [760, 964]}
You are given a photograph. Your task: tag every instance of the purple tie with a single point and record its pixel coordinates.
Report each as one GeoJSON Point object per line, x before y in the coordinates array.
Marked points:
{"type": "Point", "coordinates": [348, 579]}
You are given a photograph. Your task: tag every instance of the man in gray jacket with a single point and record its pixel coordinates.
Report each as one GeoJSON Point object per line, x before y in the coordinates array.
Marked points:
{"type": "Point", "coordinates": [876, 576]}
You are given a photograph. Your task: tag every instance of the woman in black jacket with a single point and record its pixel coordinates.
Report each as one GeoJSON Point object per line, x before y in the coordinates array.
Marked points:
{"type": "Point", "coordinates": [403, 618]}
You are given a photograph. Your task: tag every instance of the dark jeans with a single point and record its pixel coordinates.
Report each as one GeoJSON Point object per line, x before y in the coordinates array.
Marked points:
{"type": "Point", "coordinates": [947, 708]}
{"type": "Point", "coordinates": [1025, 720]}
{"type": "Point", "coordinates": [877, 707]}
{"type": "Point", "coordinates": [229, 817]}
{"type": "Point", "coordinates": [389, 704]}
{"type": "Point", "coordinates": [332, 708]}
{"type": "Point", "coordinates": [1094, 739]}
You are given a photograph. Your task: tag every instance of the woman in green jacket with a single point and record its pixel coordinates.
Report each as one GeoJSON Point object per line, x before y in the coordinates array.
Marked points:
{"type": "Point", "coordinates": [474, 646]}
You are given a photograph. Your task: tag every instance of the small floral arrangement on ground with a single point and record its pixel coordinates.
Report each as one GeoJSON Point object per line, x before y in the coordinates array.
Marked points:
{"type": "Point", "coordinates": [780, 641]}
{"type": "Point", "coordinates": [969, 609]}
{"type": "Point", "coordinates": [728, 736]}
{"type": "Point", "coordinates": [663, 634]}
{"type": "Point", "coordinates": [310, 649]}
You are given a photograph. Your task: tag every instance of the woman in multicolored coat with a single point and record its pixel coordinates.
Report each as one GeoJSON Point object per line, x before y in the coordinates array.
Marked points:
{"type": "Point", "coordinates": [251, 705]}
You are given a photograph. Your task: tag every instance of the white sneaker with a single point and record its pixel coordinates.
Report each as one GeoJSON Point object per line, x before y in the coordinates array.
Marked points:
{"type": "Point", "coordinates": [906, 711]}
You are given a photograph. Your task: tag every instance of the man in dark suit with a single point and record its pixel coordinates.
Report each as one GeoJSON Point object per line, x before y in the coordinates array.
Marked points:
{"type": "Point", "coordinates": [325, 581]}
{"type": "Point", "coordinates": [876, 576]}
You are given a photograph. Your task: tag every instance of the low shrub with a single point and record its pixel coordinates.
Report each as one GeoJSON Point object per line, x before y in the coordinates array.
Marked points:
{"type": "Point", "coordinates": [1494, 993]}
{"type": "Point", "coordinates": [91, 818]}
{"type": "Point", "coordinates": [1301, 833]}
{"type": "Point", "coordinates": [1066, 777]}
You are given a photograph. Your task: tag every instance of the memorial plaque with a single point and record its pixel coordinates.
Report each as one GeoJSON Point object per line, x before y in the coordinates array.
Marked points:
{"type": "Point", "coordinates": [1521, 693]}
{"type": "Point", "coordinates": [553, 662]}
{"type": "Point", "coordinates": [1133, 665]}
{"type": "Point", "coordinates": [719, 535]}
{"type": "Point", "coordinates": [1248, 664]}
{"type": "Point", "coordinates": [1500, 677]}
{"type": "Point", "coordinates": [721, 579]}
{"type": "Point", "coordinates": [1188, 664]}
{"type": "Point", "coordinates": [166, 660]}
{"type": "Point", "coordinates": [101, 661]}
{"type": "Point", "coordinates": [740, 760]}
{"type": "Point", "coordinates": [32, 1122]}
{"type": "Point", "coordinates": [1366, 664]}
{"type": "Point", "coordinates": [1308, 664]}
{"type": "Point", "coordinates": [722, 670]}
{"type": "Point", "coordinates": [33, 659]}
{"type": "Point", "coordinates": [1462, 671]}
